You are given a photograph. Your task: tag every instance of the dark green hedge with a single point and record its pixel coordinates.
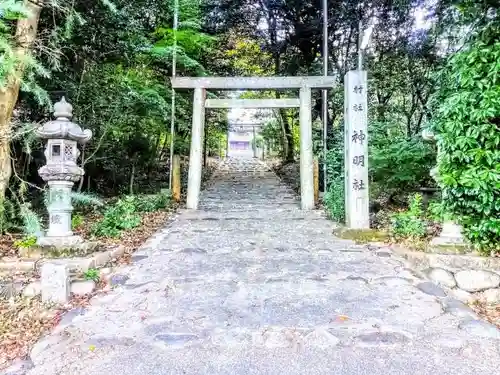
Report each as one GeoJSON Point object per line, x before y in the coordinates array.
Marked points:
{"type": "Point", "coordinates": [467, 126]}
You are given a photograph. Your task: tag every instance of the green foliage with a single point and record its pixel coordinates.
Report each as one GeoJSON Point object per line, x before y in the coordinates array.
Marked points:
{"type": "Point", "coordinates": [11, 11]}
{"type": "Point", "coordinates": [271, 134]}
{"type": "Point", "coordinates": [151, 203]}
{"type": "Point", "coordinates": [335, 162]}
{"type": "Point", "coordinates": [125, 213]}
{"type": "Point", "coordinates": [436, 211]}
{"type": "Point", "coordinates": [117, 218]}
{"type": "Point", "coordinates": [399, 163]}
{"type": "Point", "coordinates": [41, 63]}
{"type": "Point", "coordinates": [8, 216]}
{"type": "Point", "coordinates": [92, 274]}
{"type": "Point", "coordinates": [114, 72]}
{"type": "Point", "coordinates": [249, 59]}
{"type": "Point", "coordinates": [410, 224]}
{"type": "Point", "coordinates": [334, 200]}
{"type": "Point", "coordinates": [467, 127]}
{"type": "Point", "coordinates": [190, 43]}
{"type": "Point", "coordinates": [76, 221]}
{"type": "Point", "coordinates": [25, 242]}
{"type": "Point", "coordinates": [85, 199]}
{"type": "Point", "coordinates": [32, 224]}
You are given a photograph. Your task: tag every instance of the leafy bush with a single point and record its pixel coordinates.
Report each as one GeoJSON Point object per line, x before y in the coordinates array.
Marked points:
{"type": "Point", "coordinates": [124, 214]}
{"type": "Point", "coordinates": [437, 212]}
{"type": "Point", "coordinates": [151, 203]}
{"type": "Point", "coordinates": [335, 200]}
{"type": "Point", "coordinates": [410, 224]}
{"type": "Point", "coordinates": [467, 127]}
{"type": "Point", "coordinates": [117, 218]}
{"type": "Point", "coordinates": [402, 164]}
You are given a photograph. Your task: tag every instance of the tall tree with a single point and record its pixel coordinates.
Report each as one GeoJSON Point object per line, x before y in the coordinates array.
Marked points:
{"type": "Point", "coordinates": [15, 59]}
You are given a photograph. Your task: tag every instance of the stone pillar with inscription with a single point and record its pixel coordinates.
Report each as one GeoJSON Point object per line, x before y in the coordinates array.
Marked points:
{"type": "Point", "coordinates": [61, 172]}
{"type": "Point", "coordinates": [356, 150]}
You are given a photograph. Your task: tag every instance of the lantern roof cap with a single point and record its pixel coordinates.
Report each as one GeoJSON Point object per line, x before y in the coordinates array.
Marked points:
{"type": "Point", "coordinates": [62, 127]}
{"type": "Point", "coordinates": [63, 109]}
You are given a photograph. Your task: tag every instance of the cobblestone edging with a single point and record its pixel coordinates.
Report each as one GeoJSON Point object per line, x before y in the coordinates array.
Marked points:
{"type": "Point", "coordinates": [468, 277]}
{"type": "Point", "coordinates": [58, 276]}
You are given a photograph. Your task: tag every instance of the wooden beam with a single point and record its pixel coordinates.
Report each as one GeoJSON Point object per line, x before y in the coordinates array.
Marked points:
{"type": "Point", "coordinates": [252, 103]}
{"type": "Point", "coordinates": [316, 180]}
{"type": "Point", "coordinates": [253, 83]}
{"type": "Point", "coordinates": [176, 178]}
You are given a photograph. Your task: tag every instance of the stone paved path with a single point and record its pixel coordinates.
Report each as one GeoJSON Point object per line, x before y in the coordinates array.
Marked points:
{"type": "Point", "coordinates": [250, 284]}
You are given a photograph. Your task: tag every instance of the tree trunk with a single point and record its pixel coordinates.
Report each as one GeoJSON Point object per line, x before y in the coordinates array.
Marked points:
{"type": "Point", "coordinates": [288, 146]}
{"type": "Point", "coordinates": [82, 179]}
{"type": "Point", "coordinates": [24, 38]}
{"type": "Point", "coordinates": [289, 156]}
{"type": "Point", "coordinates": [284, 140]}
{"type": "Point", "coordinates": [273, 31]}
{"type": "Point", "coordinates": [205, 146]}
{"type": "Point", "coordinates": [131, 182]}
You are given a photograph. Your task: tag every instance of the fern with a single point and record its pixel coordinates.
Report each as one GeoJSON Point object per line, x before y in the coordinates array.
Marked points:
{"type": "Point", "coordinates": [110, 5]}
{"type": "Point", "coordinates": [85, 199]}
{"type": "Point", "coordinates": [190, 24]}
{"type": "Point", "coordinates": [12, 10]}
{"type": "Point", "coordinates": [32, 224]}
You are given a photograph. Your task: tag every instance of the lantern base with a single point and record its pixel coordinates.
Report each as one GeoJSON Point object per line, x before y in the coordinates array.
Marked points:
{"type": "Point", "coordinates": [60, 242]}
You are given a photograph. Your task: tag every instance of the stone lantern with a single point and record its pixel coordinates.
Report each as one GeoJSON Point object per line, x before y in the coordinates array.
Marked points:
{"type": "Point", "coordinates": [61, 172]}
{"type": "Point", "coordinates": [451, 233]}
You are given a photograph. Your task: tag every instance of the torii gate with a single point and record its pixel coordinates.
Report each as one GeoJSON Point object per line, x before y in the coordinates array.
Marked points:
{"type": "Point", "coordinates": [355, 131]}
{"type": "Point", "coordinates": [201, 84]}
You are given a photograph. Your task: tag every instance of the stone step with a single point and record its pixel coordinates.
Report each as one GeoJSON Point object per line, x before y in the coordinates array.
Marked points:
{"type": "Point", "coordinates": [263, 213]}
{"type": "Point", "coordinates": [211, 206]}
{"type": "Point", "coordinates": [331, 263]}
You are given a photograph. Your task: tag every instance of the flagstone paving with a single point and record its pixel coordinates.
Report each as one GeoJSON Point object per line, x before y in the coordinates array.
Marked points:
{"type": "Point", "coordinates": [250, 284]}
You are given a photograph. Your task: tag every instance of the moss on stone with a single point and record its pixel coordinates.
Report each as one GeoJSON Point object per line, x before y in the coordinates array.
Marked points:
{"type": "Point", "coordinates": [450, 249]}
{"type": "Point", "coordinates": [361, 236]}
{"type": "Point", "coordinates": [32, 252]}
{"type": "Point", "coordinates": [37, 252]}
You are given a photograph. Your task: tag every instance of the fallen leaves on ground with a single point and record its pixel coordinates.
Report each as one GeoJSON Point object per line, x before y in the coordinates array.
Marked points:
{"type": "Point", "coordinates": [131, 239]}
{"type": "Point", "coordinates": [491, 313]}
{"type": "Point", "coordinates": [7, 248]}
{"type": "Point", "coordinates": [24, 320]}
